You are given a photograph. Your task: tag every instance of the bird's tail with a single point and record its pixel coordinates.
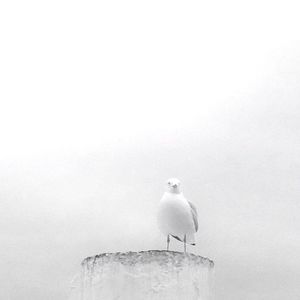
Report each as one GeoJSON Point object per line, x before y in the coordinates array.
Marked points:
{"type": "Point", "coordinates": [190, 239]}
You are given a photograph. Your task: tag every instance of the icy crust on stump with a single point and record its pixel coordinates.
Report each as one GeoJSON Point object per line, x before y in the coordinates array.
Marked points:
{"type": "Point", "coordinates": [146, 275]}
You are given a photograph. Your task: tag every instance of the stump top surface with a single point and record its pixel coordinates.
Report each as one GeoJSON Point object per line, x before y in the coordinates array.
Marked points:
{"type": "Point", "coordinates": [144, 257]}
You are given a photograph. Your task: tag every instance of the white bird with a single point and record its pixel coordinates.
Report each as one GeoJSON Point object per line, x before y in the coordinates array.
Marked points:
{"type": "Point", "coordinates": [177, 217]}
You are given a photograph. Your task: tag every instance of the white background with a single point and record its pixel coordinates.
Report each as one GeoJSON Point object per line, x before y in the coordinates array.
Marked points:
{"type": "Point", "coordinates": [102, 101]}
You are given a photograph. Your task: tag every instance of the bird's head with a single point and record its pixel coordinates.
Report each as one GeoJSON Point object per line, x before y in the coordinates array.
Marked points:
{"type": "Point", "coordinates": [173, 185]}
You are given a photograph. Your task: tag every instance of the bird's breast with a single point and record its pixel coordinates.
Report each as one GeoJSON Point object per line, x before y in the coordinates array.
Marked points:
{"type": "Point", "coordinates": [174, 216]}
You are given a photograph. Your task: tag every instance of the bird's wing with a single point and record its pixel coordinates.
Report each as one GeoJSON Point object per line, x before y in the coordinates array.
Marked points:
{"type": "Point", "coordinates": [188, 240]}
{"type": "Point", "coordinates": [177, 238]}
{"type": "Point", "coordinates": [194, 214]}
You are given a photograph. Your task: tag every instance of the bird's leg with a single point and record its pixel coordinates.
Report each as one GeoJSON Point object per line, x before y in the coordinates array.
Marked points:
{"type": "Point", "coordinates": [184, 243]}
{"type": "Point", "coordinates": [168, 242]}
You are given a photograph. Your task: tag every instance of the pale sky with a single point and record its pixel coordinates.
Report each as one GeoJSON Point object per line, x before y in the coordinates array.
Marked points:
{"type": "Point", "coordinates": [101, 102]}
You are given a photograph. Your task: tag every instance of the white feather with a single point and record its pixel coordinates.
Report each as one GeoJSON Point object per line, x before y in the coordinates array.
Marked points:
{"type": "Point", "coordinates": [175, 216]}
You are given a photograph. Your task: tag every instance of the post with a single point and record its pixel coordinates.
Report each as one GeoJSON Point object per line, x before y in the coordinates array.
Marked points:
{"type": "Point", "coordinates": [146, 275]}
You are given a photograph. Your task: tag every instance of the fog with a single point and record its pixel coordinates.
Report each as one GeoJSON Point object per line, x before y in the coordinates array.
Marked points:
{"type": "Point", "coordinates": [102, 102]}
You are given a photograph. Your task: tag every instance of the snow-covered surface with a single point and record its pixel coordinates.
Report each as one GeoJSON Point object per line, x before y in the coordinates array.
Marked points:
{"type": "Point", "coordinates": [145, 275]}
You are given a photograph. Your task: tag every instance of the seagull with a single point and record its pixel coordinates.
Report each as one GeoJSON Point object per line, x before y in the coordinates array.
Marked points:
{"type": "Point", "coordinates": [177, 217]}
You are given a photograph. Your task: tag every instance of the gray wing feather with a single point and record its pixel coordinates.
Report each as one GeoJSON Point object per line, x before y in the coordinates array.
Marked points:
{"type": "Point", "coordinates": [177, 238]}
{"type": "Point", "coordinates": [194, 214]}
